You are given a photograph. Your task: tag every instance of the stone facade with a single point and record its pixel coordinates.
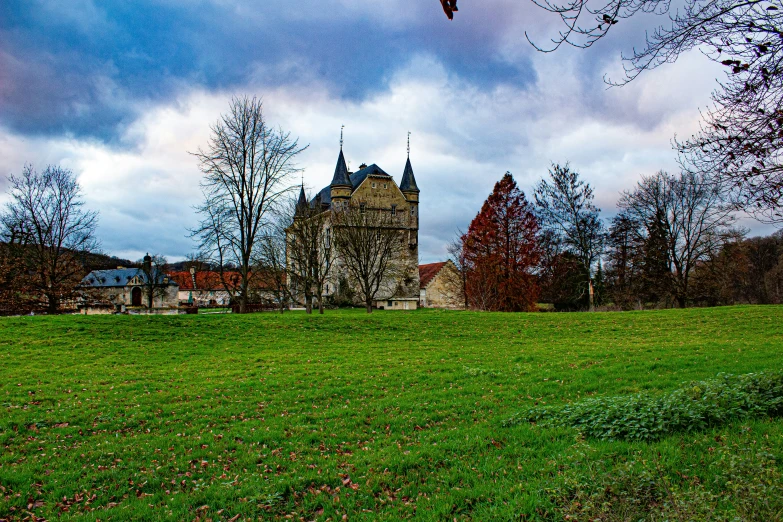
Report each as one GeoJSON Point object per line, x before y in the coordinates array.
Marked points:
{"type": "Point", "coordinates": [127, 287]}
{"type": "Point", "coordinates": [440, 286]}
{"type": "Point", "coordinates": [373, 190]}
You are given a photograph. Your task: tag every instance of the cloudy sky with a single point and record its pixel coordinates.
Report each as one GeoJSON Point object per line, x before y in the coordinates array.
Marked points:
{"type": "Point", "coordinates": [120, 92]}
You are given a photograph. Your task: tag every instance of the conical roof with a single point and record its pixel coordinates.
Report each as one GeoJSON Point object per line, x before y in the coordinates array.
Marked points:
{"type": "Point", "coordinates": [341, 173]}
{"type": "Point", "coordinates": [301, 204]}
{"type": "Point", "coordinates": [408, 183]}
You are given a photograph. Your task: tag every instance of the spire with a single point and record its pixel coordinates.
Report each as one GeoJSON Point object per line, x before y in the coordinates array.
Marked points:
{"type": "Point", "coordinates": [301, 205]}
{"type": "Point", "coordinates": [341, 172]}
{"type": "Point", "coordinates": [408, 183]}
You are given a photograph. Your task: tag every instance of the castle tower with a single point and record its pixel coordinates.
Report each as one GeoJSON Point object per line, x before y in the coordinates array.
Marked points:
{"type": "Point", "coordinates": [411, 192]}
{"type": "Point", "coordinates": [340, 187]}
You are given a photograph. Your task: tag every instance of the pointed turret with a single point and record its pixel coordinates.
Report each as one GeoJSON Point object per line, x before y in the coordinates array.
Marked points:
{"type": "Point", "coordinates": [408, 183]}
{"type": "Point", "coordinates": [301, 204]}
{"type": "Point", "coordinates": [340, 188]}
{"type": "Point", "coordinates": [340, 178]}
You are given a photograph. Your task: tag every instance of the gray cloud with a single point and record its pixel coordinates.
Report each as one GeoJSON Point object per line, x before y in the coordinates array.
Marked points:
{"type": "Point", "coordinates": [121, 92]}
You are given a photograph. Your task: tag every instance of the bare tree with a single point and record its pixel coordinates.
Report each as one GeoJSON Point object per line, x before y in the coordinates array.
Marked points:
{"type": "Point", "coordinates": [741, 139]}
{"type": "Point", "coordinates": [272, 265]}
{"type": "Point", "coordinates": [310, 253]}
{"type": "Point", "coordinates": [566, 211]}
{"type": "Point", "coordinates": [246, 166]}
{"type": "Point", "coordinates": [197, 261]}
{"type": "Point", "coordinates": [47, 226]}
{"type": "Point", "coordinates": [689, 212]}
{"type": "Point", "coordinates": [155, 280]}
{"type": "Point", "coordinates": [371, 245]}
{"type": "Point", "coordinates": [459, 281]}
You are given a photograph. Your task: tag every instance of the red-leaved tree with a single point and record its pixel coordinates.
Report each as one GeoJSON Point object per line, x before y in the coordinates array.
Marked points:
{"type": "Point", "coordinates": [501, 252]}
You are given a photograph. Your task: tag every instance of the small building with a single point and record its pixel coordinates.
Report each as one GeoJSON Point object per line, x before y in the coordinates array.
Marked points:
{"type": "Point", "coordinates": [440, 285]}
{"type": "Point", "coordinates": [205, 287]}
{"type": "Point", "coordinates": [129, 287]}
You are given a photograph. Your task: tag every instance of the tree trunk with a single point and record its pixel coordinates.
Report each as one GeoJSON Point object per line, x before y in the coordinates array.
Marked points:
{"type": "Point", "coordinates": [53, 304]}
{"type": "Point", "coordinates": [309, 304]}
{"type": "Point", "coordinates": [681, 301]}
{"type": "Point", "coordinates": [592, 296]}
{"type": "Point", "coordinates": [465, 293]}
{"type": "Point", "coordinates": [368, 304]}
{"type": "Point", "coordinates": [321, 305]}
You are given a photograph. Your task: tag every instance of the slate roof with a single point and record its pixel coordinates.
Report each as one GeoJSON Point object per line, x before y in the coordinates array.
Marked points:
{"type": "Point", "coordinates": [117, 277]}
{"type": "Point", "coordinates": [408, 180]}
{"type": "Point", "coordinates": [428, 272]}
{"type": "Point", "coordinates": [302, 203]}
{"type": "Point", "coordinates": [340, 171]}
{"type": "Point", "coordinates": [360, 175]}
{"type": "Point", "coordinates": [355, 179]}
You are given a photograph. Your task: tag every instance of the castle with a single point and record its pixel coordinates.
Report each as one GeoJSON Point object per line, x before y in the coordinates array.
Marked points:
{"type": "Point", "coordinates": [371, 189]}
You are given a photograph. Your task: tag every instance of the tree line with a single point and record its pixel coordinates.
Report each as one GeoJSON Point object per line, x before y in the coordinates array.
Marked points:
{"type": "Point", "coordinates": [672, 243]}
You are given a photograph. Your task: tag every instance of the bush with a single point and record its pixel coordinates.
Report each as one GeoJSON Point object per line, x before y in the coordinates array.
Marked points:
{"type": "Point", "coordinates": [692, 407]}
{"type": "Point", "coordinates": [740, 482]}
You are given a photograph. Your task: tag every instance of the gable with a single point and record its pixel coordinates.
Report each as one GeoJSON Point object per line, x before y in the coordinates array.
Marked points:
{"type": "Point", "coordinates": [379, 192]}
{"type": "Point", "coordinates": [428, 272]}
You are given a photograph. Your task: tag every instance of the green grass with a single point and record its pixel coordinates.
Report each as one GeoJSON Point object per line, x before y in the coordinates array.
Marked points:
{"type": "Point", "coordinates": [388, 416]}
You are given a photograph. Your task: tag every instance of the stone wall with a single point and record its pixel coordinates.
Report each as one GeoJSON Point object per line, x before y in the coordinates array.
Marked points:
{"type": "Point", "coordinates": [443, 290]}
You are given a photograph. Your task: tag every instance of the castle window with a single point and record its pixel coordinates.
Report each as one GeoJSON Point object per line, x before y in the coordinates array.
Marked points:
{"type": "Point", "coordinates": [373, 184]}
{"type": "Point", "coordinates": [413, 211]}
{"type": "Point", "coordinates": [328, 238]}
{"type": "Point", "coordinates": [389, 303]}
{"type": "Point", "coordinates": [385, 185]}
{"type": "Point", "coordinates": [362, 208]}
{"type": "Point", "coordinates": [394, 210]}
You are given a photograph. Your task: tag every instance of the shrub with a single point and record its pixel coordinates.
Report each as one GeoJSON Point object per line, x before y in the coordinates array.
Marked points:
{"type": "Point", "coordinates": [692, 407]}
{"type": "Point", "coordinates": [744, 484]}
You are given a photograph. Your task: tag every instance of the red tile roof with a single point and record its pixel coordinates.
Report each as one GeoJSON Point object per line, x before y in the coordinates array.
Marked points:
{"type": "Point", "coordinates": [428, 272]}
{"type": "Point", "coordinates": [209, 280]}
{"type": "Point", "coordinates": [204, 280]}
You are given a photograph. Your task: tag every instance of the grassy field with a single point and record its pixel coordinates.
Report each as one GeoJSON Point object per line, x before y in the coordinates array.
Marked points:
{"type": "Point", "coordinates": [388, 416]}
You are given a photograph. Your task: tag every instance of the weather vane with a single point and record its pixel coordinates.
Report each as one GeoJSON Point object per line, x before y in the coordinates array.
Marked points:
{"type": "Point", "coordinates": [341, 136]}
{"type": "Point", "coordinates": [409, 144]}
